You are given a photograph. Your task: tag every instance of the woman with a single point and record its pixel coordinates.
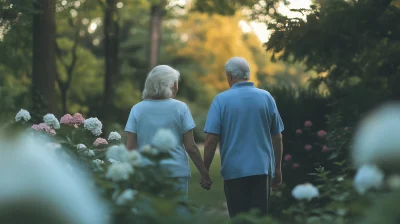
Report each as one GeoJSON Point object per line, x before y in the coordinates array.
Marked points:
{"type": "Point", "coordinates": [159, 110]}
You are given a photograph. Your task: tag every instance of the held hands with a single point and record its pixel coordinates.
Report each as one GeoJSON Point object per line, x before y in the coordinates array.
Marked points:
{"type": "Point", "coordinates": [277, 179]}
{"type": "Point", "coordinates": [206, 182]}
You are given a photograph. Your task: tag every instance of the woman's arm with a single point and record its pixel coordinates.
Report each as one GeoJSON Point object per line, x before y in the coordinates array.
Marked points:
{"type": "Point", "coordinates": [194, 153]}
{"type": "Point", "coordinates": [131, 141]}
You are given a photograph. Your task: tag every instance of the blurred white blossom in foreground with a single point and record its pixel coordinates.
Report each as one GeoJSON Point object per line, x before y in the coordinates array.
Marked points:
{"type": "Point", "coordinates": [164, 140]}
{"type": "Point", "coordinates": [126, 196]}
{"type": "Point", "coordinates": [377, 140]}
{"type": "Point", "coordinates": [305, 192]}
{"type": "Point", "coordinates": [368, 177]}
{"type": "Point", "coordinates": [35, 187]}
{"type": "Point", "coordinates": [117, 153]}
{"type": "Point", "coordinates": [119, 171]}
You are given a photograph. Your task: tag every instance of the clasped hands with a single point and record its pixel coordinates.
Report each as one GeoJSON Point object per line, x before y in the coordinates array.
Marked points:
{"type": "Point", "coordinates": [205, 181]}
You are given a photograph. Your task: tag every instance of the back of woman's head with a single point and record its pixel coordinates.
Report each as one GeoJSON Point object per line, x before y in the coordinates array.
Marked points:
{"type": "Point", "coordinates": [159, 82]}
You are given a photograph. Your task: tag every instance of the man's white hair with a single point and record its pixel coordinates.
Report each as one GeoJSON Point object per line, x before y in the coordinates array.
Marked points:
{"type": "Point", "coordinates": [238, 67]}
{"type": "Point", "coordinates": [159, 82]}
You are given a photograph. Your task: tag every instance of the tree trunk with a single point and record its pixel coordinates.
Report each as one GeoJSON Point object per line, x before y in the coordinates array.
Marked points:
{"type": "Point", "coordinates": [156, 15]}
{"type": "Point", "coordinates": [44, 58]}
{"type": "Point", "coordinates": [111, 45]}
{"type": "Point", "coordinates": [64, 93]}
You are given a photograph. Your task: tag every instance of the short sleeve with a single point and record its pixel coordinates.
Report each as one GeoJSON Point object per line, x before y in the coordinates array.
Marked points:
{"type": "Point", "coordinates": [213, 122]}
{"type": "Point", "coordinates": [276, 122]}
{"type": "Point", "coordinates": [131, 124]}
{"type": "Point", "coordinates": [187, 120]}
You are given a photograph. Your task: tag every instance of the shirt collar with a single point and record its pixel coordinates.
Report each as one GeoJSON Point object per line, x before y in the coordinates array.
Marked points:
{"type": "Point", "coordinates": [242, 84]}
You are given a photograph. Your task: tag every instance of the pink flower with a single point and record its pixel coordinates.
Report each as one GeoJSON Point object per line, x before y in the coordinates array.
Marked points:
{"type": "Point", "coordinates": [295, 165]}
{"type": "Point", "coordinates": [78, 119]}
{"type": "Point", "coordinates": [322, 134]}
{"type": "Point", "coordinates": [308, 147]}
{"type": "Point", "coordinates": [100, 141]}
{"type": "Point", "coordinates": [66, 119]}
{"type": "Point", "coordinates": [288, 157]}
{"type": "Point", "coordinates": [299, 131]}
{"type": "Point", "coordinates": [346, 129]}
{"type": "Point", "coordinates": [325, 148]}
{"type": "Point", "coordinates": [308, 124]}
{"type": "Point", "coordinates": [44, 127]}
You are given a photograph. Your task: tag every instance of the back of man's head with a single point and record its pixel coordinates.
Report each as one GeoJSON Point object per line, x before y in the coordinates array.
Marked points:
{"type": "Point", "coordinates": [238, 67]}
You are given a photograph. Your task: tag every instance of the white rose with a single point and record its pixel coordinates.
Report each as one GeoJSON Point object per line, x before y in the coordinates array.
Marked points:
{"type": "Point", "coordinates": [119, 171]}
{"type": "Point", "coordinates": [126, 196]}
{"type": "Point", "coordinates": [305, 191]}
{"type": "Point", "coordinates": [164, 139]}
{"type": "Point", "coordinates": [22, 115]}
{"type": "Point", "coordinates": [368, 177]}
{"type": "Point", "coordinates": [51, 121]}
{"type": "Point", "coordinates": [377, 140]}
{"type": "Point", "coordinates": [114, 136]}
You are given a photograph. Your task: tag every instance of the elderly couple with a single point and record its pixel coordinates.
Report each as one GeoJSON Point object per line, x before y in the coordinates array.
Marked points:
{"type": "Point", "coordinates": [244, 120]}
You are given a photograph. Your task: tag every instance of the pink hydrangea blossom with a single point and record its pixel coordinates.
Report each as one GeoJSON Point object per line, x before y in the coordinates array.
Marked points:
{"type": "Point", "coordinates": [44, 127]}
{"type": "Point", "coordinates": [66, 119]}
{"type": "Point", "coordinates": [308, 124]}
{"type": "Point", "coordinates": [346, 129]}
{"type": "Point", "coordinates": [288, 157]}
{"type": "Point", "coordinates": [299, 131]}
{"type": "Point", "coordinates": [78, 119]}
{"type": "Point", "coordinates": [295, 165]}
{"type": "Point", "coordinates": [325, 148]}
{"type": "Point", "coordinates": [100, 141]}
{"type": "Point", "coordinates": [322, 134]}
{"type": "Point", "coordinates": [308, 147]}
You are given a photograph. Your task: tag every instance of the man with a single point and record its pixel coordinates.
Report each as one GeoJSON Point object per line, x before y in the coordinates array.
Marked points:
{"type": "Point", "coordinates": [246, 122]}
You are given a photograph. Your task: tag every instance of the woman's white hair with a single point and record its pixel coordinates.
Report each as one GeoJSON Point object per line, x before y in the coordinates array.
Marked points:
{"type": "Point", "coordinates": [159, 82]}
{"type": "Point", "coordinates": [238, 67]}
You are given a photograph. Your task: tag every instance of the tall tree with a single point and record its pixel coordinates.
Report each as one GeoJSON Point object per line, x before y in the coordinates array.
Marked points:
{"type": "Point", "coordinates": [44, 60]}
{"type": "Point", "coordinates": [157, 12]}
{"type": "Point", "coordinates": [111, 51]}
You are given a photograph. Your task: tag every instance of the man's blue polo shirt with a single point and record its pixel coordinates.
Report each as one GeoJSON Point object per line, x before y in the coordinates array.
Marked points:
{"type": "Point", "coordinates": [245, 117]}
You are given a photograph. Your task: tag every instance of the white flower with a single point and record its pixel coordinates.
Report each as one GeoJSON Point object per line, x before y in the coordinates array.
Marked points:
{"type": "Point", "coordinates": [113, 161]}
{"type": "Point", "coordinates": [377, 140]}
{"type": "Point", "coordinates": [93, 125]}
{"type": "Point", "coordinates": [164, 139]}
{"type": "Point", "coordinates": [126, 196]}
{"type": "Point", "coordinates": [98, 161]}
{"type": "Point", "coordinates": [97, 164]}
{"type": "Point", "coordinates": [28, 171]}
{"type": "Point", "coordinates": [305, 191]}
{"type": "Point", "coordinates": [114, 136]}
{"type": "Point", "coordinates": [394, 182]}
{"type": "Point", "coordinates": [23, 115]}
{"type": "Point", "coordinates": [119, 171]}
{"type": "Point", "coordinates": [368, 177]}
{"type": "Point", "coordinates": [117, 153]}
{"type": "Point", "coordinates": [51, 121]}
{"type": "Point", "coordinates": [149, 150]}
{"type": "Point", "coordinates": [89, 153]}
{"type": "Point", "coordinates": [80, 146]}
{"type": "Point", "coordinates": [134, 157]}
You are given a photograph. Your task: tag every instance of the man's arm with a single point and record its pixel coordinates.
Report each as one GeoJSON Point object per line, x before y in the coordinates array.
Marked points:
{"type": "Point", "coordinates": [131, 141]}
{"type": "Point", "coordinates": [278, 151]}
{"type": "Point", "coordinates": [210, 146]}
